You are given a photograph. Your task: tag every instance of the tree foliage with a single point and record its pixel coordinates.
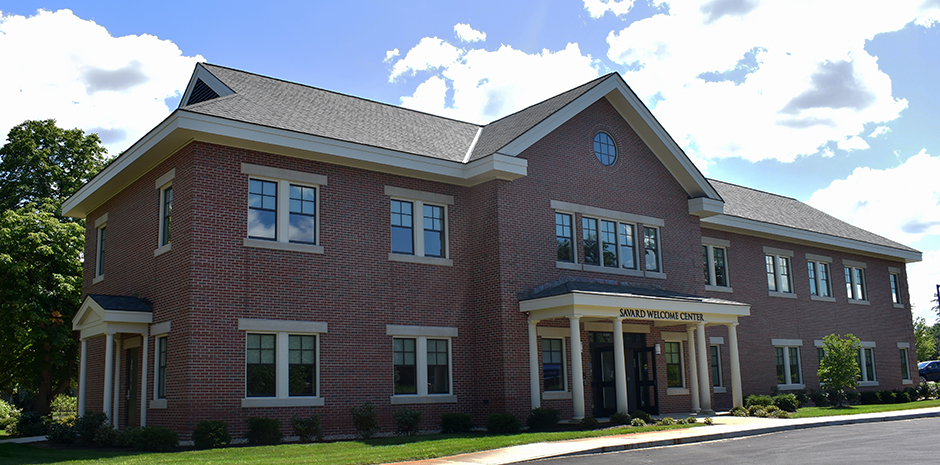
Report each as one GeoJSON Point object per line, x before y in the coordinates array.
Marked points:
{"type": "Point", "coordinates": [41, 255]}
{"type": "Point", "coordinates": [925, 340]}
{"type": "Point", "coordinates": [839, 370]}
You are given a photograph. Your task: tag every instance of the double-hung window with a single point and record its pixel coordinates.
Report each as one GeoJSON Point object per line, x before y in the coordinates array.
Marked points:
{"type": "Point", "coordinates": [282, 362]}
{"type": "Point", "coordinates": [819, 270]}
{"type": "Point", "coordinates": [608, 243]}
{"type": "Point", "coordinates": [422, 364]}
{"type": "Point", "coordinates": [715, 264]}
{"type": "Point", "coordinates": [418, 222]}
{"type": "Point", "coordinates": [789, 372]}
{"type": "Point", "coordinates": [651, 244]}
{"type": "Point", "coordinates": [866, 365]}
{"type": "Point", "coordinates": [674, 368]}
{"type": "Point", "coordinates": [714, 357]}
{"type": "Point", "coordinates": [777, 263]}
{"type": "Point", "coordinates": [903, 349]}
{"type": "Point", "coordinates": [161, 367]}
{"type": "Point", "coordinates": [563, 237]}
{"type": "Point", "coordinates": [855, 289]}
{"type": "Point", "coordinates": [283, 209]}
{"type": "Point", "coordinates": [160, 333]}
{"type": "Point", "coordinates": [894, 277]}
{"type": "Point", "coordinates": [101, 226]}
{"type": "Point", "coordinates": [553, 364]}
{"type": "Point", "coordinates": [164, 185]}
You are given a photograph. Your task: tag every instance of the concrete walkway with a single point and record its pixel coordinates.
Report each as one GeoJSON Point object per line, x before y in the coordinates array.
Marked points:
{"type": "Point", "coordinates": [725, 427]}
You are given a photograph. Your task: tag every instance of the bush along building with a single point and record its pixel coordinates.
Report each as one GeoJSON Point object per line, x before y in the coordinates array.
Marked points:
{"type": "Point", "coordinates": [273, 249]}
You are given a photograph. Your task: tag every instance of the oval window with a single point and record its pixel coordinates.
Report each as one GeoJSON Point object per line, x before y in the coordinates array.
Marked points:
{"type": "Point", "coordinates": [604, 149]}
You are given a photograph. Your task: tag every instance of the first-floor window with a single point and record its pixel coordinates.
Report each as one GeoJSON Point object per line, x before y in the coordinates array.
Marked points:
{"type": "Point", "coordinates": [673, 351]}
{"type": "Point", "coordinates": [905, 365]}
{"type": "Point", "coordinates": [715, 359]}
{"type": "Point", "coordinates": [715, 265]}
{"type": "Point", "coordinates": [405, 361]}
{"type": "Point", "coordinates": [438, 367]}
{"type": "Point", "coordinates": [302, 365]}
{"type": "Point", "coordinates": [788, 365]}
{"type": "Point", "coordinates": [261, 371]}
{"type": "Point", "coordinates": [161, 367]}
{"type": "Point", "coordinates": [866, 364]}
{"type": "Point", "coordinates": [553, 364]}
{"type": "Point", "coordinates": [421, 365]}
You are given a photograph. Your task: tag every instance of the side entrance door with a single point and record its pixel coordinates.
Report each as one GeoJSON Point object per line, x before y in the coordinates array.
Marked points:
{"type": "Point", "coordinates": [133, 401]}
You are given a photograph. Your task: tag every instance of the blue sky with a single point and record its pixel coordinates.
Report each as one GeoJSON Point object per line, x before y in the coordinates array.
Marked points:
{"type": "Point", "coordinates": [831, 102]}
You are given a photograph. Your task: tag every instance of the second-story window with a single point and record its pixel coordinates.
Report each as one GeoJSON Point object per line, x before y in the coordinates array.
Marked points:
{"type": "Point", "coordinates": [894, 277]}
{"type": "Point", "coordinates": [563, 235]}
{"type": "Point", "coordinates": [283, 209]}
{"type": "Point", "coordinates": [855, 288]}
{"type": "Point", "coordinates": [651, 243]}
{"type": "Point", "coordinates": [779, 273]}
{"type": "Point", "coordinates": [303, 214]}
{"type": "Point", "coordinates": [589, 235]}
{"type": "Point", "coordinates": [433, 230]}
{"type": "Point", "coordinates": [715, 262]}
{"type": "Point", "coordinates": [262, 209]}
{"type": "Point", "coordinates": [167, 216]}
{"type": "Point", "coordinates": [402, 227]}
{"type": "Point", "coordinates": [627, 246]}
{"type": "Point", "coordinates": [419, 231]}
{"type": "Point", "coordinates": [820, 276]}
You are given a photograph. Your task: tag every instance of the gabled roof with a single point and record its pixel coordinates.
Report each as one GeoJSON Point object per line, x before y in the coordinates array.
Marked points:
{"type": "Point", "coordinates": [764, 214]}
{"type": "Point", "coordinates": [108, 314]}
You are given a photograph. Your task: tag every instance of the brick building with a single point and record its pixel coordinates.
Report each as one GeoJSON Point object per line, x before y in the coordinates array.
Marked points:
{"type": "Point", "coordinates": [272, 249]}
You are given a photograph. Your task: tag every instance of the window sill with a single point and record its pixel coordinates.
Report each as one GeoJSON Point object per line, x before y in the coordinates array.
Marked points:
{"type": "Point", "coordinates": [288, 246]}
{"type": "Point", "coordinates": [787, 295]}
{"type": "Point", "coordinates": [556, 395]}
{"type": "Point", "coordinates": [612, 270]}
{"type": "Point", "coordinates": [859, 302]}
{"type": "Point", "coordinates": [429, 399]}
{"type": "Point", "coordinates": [791, 387]}
{"type": "Point", "coordinates": [709, 287]}
{"type": "Point", "coordinates": [720, 390]}
{"type": "Point", "coordinates": [158, 403]}
{"type": "Point", "coordinates": [97, 279]}
{"type": "Point", "coordinates": [899, 306]}
{"type": "Point", "coordinates": [397, 257]}
{"type": "Point", "coordinates": [655, 274]}
{"type": "Point", "coordinates": [311, 401]}
{"type": "Point", "coordinates": [568, 265]}
{"type": "Point", "coordinates": [677, 391]}
{"type": "Point", "coordinates": [868, 383]}
{"type": "Point", "coordinates": [163, 249]}
{"type": "Point", "coordinates": [907, 381]}
{"type": "Point", "coordinates": [822, 298]}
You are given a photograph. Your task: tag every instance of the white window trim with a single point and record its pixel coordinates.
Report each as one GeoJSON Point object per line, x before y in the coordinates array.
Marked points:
{"type": "Point", "coordinates": [573, 264]}
{"type": "Point", "coordinates": [619, 269]}
{"type": "Point", "coordinates": [777, 254]}
{"type": "Point", "coordinates": [682, 339]}
{"type": "Point", "coordinates": [158, 331]}
{"type": "Point", "coordinates": [421, 334]}
{"type": "Point", "coordinates": [418, 199]}
{"type": "Point", "coordinates": [282, 329]}
{"type": "Point", "coordinates": [863, 380]}
{"type": "Point", "coordinates": [852, 265]}
{"type": "Point", "coordinates": [564, 393]}
{"type": "Point", "coordinates": [661, 274]}
{"type": "Point", "coordinates": [906, 347]}
{"type": "Point", "coordinates": [100, 224]}
{"type": "Point", "coordinates": [284, 178]}
{"type": "Point", "coordinates": [893, 271]}
{"type": "Point", "coordinates": [710, 243]}
{"type": "Point", "coordinates": [162, 184]}
{"type": "Point", "coordinates": [786, 344]}
{"type": "Point", "coordinates": [816, 261]}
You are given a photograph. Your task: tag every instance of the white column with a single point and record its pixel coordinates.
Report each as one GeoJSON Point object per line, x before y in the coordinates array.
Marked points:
{"type": "Point", "coordinates": [736, 397]}
{"type": "Point", "coordinates": [620, 367]}
{"type": "Point", "coordinates": [117, 384]}
{"type": "Point", "coordinates": [143, 382]}
{"type": "Point", "coordinates": [534, 366]}
{"type": "Point", "coordinates": [82, 377]}
{"type": "Point", "coordinates": [693, 369]}
{"type": "Point", "coordinates": [108, 372]}
{"type": "Point", "coordinates": [704, 390]}
{"type": "Point", "coordinates": [577, 374]}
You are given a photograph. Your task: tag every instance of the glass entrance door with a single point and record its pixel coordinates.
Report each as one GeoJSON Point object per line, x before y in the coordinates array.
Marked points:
{"type": "Point", "coordinates": [605, 391]}
{"type": "Point", "coordinates": [647, 395]}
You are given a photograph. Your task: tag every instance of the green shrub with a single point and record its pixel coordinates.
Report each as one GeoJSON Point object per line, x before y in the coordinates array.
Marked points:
{"type": "Point", "coordinates": [588, 423]}
{"type": "Point", "coordinates": [8, 415]}
{"type": "Point", "coordinates": [758, 412]}
{"type": "Point", "coordinates": [911, 394]}
{"type": "Point", "coordinates": [753, 409]}
{"type": "Point", "coordinates": [771, 409]}
{"type": "Point", "coordinates": [643, 416]}
{"type": "Point", "coordinates": [708, 421]}
{"type": "Point", "coordinates": [62, 432]}
{"type": "Point", "coordinates": [456, 423]}
{"type": "Point", "coordinates": [409, 422]}
{"type": "Point", "coordinates": [105, 435]}
{"type": "Point", "coordinates": [543, 419]}
{"type": "Point", "coordinates": [128, 437]}
{"type": "Point", "coordinates": [307, 428]}
{"type": "Point", "coordinates": [667, 421]}
{"type": "Point", "coordinates": [618, 418]}
{"type": "Point", "coordinates": [923, 391]}
{"type": "Point", "coordinates": [819, 398]}
{"type": "Point", "coordinates": [780, 414]}
{"type": "Point", "coordinates": [759, 400]}
{"type": "Point", "coordinates": [786, 402]}
{"type": "Point", "coordinates": [63, 406]}
{"type": "Point", "coordinates": [691, 420]}
{"type": "Point", "coordinates": [503, 423]}
{"type": "Point", "coordinates": [801, 398]}
{"type": "Point", "coordinates": [30, 424]}
{"type": "Point", "coordinates": [870, 397]}
{"type": "Point", "coordinates": [637, 422]}
{"type": "Point", "coordinates": [739, 412]}
{"type": "Point", "coordinates": [263, 430]}
{"type": "Point", "coordinates": [155, 439]}
{"type": "Point", "coordinates": [210, 434]}
{"type": "Point", "coordinates": [903, 397]}
{"type": "Point", "coordinates": [86, 426]}
{"type": "Point", "coordinates": [365, 420]}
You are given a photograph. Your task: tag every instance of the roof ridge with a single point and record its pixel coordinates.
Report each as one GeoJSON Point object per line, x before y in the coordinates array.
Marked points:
{"type": "Point", "coordinates": [397, 107]}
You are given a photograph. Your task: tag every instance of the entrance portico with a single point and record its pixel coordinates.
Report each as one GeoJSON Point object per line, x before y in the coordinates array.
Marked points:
{"type": "Point", "coordinates": [592, 303]}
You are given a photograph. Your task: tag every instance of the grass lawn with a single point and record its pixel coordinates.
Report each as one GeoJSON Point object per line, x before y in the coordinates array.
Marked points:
{"type": "Point", "coordinates": [810, 412]}
{"type": "Point", "coordinates": [347, 452]}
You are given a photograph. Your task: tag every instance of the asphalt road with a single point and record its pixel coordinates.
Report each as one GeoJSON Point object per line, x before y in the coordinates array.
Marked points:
{"type": "Point", "coordinates": [885, 442]}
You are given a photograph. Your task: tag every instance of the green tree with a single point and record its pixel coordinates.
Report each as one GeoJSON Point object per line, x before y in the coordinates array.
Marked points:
{"type": "Point", "coordinates": [838, 370]}
{"type": "Point", "coordinates": [925, 340]}
{"type": "Point", "coordinates": [41, 255]}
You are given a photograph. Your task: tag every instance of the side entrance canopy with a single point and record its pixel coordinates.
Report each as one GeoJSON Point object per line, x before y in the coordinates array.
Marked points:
{"type": "Point", "coordinates": [588, 301]}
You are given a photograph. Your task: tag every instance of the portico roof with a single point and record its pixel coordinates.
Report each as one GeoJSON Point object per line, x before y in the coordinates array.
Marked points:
{"type": "Point", "coordinates": [101, 314]}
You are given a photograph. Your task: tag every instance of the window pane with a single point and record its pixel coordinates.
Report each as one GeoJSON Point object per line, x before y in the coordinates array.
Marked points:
{"type": "Point", "coordinates": [848, 284]}
{"type": "Point", "coordinates": [860, 284]}
{"type": "Point", "coordinates": [905, 369]}
{"type": "Point", "coordinates": [627, 247]}
{"type": "Point", "coordinates": [438, 372]}
{"type": "Point", "coordinates": [563, 237]}
{"type": "Point", "coordinates": [781, 366]}
{"type": "Point", "coordinates": [161, 368]}
{"type": "Point", "coordinates": [784, 274]}
{"type": "Point", "coordinates": [794, 365]}
{"type": "Point", "coordinates": [402, 227]}
{"type": "Point", "coordinates": [260, 371]}
{"type": "Point", "coordinates": [771, 272]}
{"type": "Point", "coordinates": [553, 373]}
{"type": "Point", "coordinates": [870, 364]}
{"type": "Point", "coordinates": [604, 149]}
{"type": "Point", "coordinates": [651, 242]}
{"type": "Point", "coordinates": [589, 234]}
{"type": "Point", "coordinates": [405, 370]}
{"type": "Point", "coordinates": [433, 231]}
{"type": "Point", "coordinates": [167, 215]}
{"type": "Point", "coordinates": [721, 268]}
{"type": "Point", "coordinates": [705, 263]}
{"type": "Point", "coordinates": [302, 379]}
{"type": "Point", "coordinates": [824, 288]}
{"type": "Point", "coordinates": [673, 364]}
{"type": "Point", "coordinates": [609, 243]}
{"type": "Point", "coordinates": [716, 365]}
{"type": "Point", "coordinates": [811, 269]}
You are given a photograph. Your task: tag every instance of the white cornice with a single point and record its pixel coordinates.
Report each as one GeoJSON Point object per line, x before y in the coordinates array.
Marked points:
{"type": "Point", "coordinates": [801, 236]}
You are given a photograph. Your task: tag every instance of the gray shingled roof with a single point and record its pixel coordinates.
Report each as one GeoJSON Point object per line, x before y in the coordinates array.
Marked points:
{"type": "Point", "coordinates": [752, 204]}
{"type": "Point", "coordinates": [621, 290]}
{"type": "Point", "coordinates": [121, 302]}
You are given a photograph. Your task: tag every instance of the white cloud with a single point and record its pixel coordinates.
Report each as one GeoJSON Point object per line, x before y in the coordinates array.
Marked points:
{"type": "Point", "coordinates": [468, 34]}
{"type": "Point", "coordinates": [900, 203]}
{"type": "Point", "coordinates": [597, 8]}
{"type": "Point", "coordinates": [477, 85]}
{"type": "Point", "coordinates": [923, 278]}
{"type": "Point", "coordinates": [880, 130]}
{"type": "Point", "coordinates": [75, 72]}
{"type": "Point", "coordinates": [389, 55]}
{"type": "Point", "coordinates": [853, 143]}
{"type": "Point", "coordinates": [734, 79]}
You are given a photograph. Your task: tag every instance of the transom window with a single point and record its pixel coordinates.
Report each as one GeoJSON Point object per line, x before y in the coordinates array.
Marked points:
{"type": "Point", "coordinates": [604, 149]}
